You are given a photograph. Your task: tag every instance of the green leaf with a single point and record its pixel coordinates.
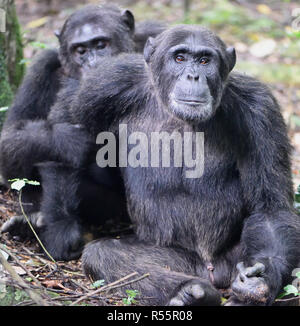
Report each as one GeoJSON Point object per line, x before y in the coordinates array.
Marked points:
{"type": "Point", "coordinates": [126, 301]}
{"type": "Point", "coordinates": [291, 289]}
{"type": "Point", "coordinates": [223, 300]}
{"type": "Point", "coordinates": [132, 293]}
{"type": "Point", "coordinates": [20, 295]}
{"type": "Point", "coordinates": [33, 183]}
{"type": "Point", "coordinates": [4, 109]}
{"type": "Point", "coordinates": [98, 284]}
{"type": "Point", "coordinates": [18, 185]}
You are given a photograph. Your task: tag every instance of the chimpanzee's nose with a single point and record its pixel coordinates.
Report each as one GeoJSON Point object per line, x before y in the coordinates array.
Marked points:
{"type": "Point", "coordinates": [193, 77]}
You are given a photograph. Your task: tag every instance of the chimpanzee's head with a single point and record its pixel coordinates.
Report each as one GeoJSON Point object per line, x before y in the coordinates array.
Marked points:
{"type": "Point", "coordinates": [189, 66]}
{"type": "Point", "coordinates": [93, 32]}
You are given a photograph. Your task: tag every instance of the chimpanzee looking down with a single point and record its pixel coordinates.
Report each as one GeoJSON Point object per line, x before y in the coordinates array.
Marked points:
{"type": "Point", "coordinates": [234, 227]}
{"type": "Point", "coordinates": [88, 35]}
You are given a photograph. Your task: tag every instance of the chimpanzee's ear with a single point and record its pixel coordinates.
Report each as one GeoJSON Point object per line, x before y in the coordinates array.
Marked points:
{"type": "Point", "coordinates": [149, 49]}
{"type": "Point", "coordinates": [231, 57]}
{"type": "Point", "coordinates": [128, 18]}
{"type": "Point", "coordinates": [57, 33]}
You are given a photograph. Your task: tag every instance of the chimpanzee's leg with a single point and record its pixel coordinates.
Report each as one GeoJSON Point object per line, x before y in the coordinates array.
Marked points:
{"type": "Point", "coordinates": [62, 232]}
{"type": "Point", "coordinates": [172, 279]}
{"type": "Point", "coordinates": [72, 202]}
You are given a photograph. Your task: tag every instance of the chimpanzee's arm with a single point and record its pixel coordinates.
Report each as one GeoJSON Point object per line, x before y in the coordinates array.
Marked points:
{"type": "Point", "coordinates": [271, 232]}
{"type": "Point", "coordinates": [25, 136]}
{"type": "Point", "coordinates": [117, 87]}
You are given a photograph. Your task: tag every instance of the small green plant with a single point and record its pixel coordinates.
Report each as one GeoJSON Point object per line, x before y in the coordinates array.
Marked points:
{"type": "Point", "coordinates": [132, 294]}
{"type": "Point", "coordinates": [19, 184]}
{"type": "Point", "coordinates": [10, 296]}
{"type": "Point", "coordinates": [291, 289]}
{"type": "Point", "coordinates": [98, 284]}
{"type": "Point", "coordinates": [21, 295]}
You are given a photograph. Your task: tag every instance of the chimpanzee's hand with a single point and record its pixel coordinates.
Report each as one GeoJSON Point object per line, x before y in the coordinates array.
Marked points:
{"type": "Point", "coordinates": [18, 228]}
{"type": "Point", "coordinates": [72, 143]}
{"type": "Point", "coordinates": [63, 239]}
{"type": "Point", "coordinates": [249, 287]}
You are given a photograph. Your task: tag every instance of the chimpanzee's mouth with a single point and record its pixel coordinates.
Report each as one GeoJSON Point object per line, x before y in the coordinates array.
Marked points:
{"type": "Point", "coordinates": [192, 102]}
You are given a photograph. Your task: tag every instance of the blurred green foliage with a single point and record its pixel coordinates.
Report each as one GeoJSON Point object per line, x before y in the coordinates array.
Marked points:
{"type": "Point", "coordinates": [10, 296]}
{"type": "Point", "coordinates": [271, 72]}
{"type": "Point", "coordinates": [235, 19]}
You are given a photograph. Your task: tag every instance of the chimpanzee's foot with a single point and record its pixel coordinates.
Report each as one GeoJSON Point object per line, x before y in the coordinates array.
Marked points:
{"type": "Point", "coordinates": [196, 292]}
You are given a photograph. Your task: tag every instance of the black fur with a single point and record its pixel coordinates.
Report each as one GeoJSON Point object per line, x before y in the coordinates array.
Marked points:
{"type": "Point", "coordinates": [27, 138]}
{"type": "Point", "coordinates": [240, 210]}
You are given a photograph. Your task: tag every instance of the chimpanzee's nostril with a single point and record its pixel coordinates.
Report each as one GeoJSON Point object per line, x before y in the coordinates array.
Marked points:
{"type": "Point", "coordinates": [193, 77]}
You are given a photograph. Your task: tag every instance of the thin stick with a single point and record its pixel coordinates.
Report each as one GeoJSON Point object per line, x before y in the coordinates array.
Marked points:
{"type": "Point", "coordinates": [289, 299]}
{"type": "Point", "coordinates": [32, 229]}
{"type": "Point", "coordinates": [130, 282]}
{"type": "Point", "coordinates": [105, 287]}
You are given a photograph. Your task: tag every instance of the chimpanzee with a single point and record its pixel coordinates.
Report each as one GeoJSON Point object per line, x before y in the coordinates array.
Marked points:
{"type": "Point", "coordinates": [89, 34]}
{"type": "Point", "coordinates": [231, 227]}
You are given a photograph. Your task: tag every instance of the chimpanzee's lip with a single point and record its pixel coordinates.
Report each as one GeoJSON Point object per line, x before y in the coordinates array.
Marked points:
{"type": "Point", "coordinates": [194, 102]}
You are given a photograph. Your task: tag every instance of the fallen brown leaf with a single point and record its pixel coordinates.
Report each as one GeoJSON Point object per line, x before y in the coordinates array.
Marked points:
{"type": "Point", "coordinates": [55, 284]}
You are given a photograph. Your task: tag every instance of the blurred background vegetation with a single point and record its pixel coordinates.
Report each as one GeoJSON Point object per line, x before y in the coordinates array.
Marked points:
{"type": "Point", "coordinates": [262, 32]}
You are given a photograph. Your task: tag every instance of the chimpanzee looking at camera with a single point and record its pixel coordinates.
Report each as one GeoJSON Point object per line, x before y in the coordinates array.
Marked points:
{"type": "Point", "coordinates": [232, 228]}
{"type": "Point", "coordinates": [87, 36]}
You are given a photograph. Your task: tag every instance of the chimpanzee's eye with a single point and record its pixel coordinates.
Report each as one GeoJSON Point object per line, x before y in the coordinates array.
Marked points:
{"type": "Point", "coordinates": [204, 60]}
{"type": "Point", "coordinates": [81, 50]}
{"type": "Point", "coordinates": [179, 58]}
{"type": "Point", "coordinates": [102, 44]}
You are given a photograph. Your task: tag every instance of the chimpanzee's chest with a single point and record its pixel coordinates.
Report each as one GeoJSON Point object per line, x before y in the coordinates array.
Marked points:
{"type": "Point", "coordinates": [185, 191]}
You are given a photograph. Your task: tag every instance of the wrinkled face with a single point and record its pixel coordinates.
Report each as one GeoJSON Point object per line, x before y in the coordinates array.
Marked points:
{"type": "Point", "coordinates": [88, 43]}
{"type": "Point", "coordinates": [92, 33]}
{"type": "Point", "coordinates": [190, 74]}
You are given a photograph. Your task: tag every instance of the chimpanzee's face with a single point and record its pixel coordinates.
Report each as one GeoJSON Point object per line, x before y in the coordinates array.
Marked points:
{"type": "Point", "coordinates": [92, 33]}
{"type": "Point", "coordinates": [88, 43]}
{"type": "Point", "coordinates": [189, 70]}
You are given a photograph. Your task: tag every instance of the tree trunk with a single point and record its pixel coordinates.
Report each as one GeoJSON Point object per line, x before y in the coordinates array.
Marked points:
{"type": "Point", "coordinates": [11, 53]}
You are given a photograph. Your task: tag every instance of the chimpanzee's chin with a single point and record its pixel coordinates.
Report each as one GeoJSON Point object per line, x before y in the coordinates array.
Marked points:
{"type": "Point", "coordinates": [192, 113]}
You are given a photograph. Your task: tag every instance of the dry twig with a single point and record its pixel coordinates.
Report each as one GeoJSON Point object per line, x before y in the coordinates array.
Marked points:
{"type": "Point", "coordinates": [111, 286]}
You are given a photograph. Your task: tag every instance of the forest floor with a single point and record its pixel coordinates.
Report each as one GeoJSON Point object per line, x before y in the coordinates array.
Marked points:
{"type": "Point", "coordinates": [265, 48]}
